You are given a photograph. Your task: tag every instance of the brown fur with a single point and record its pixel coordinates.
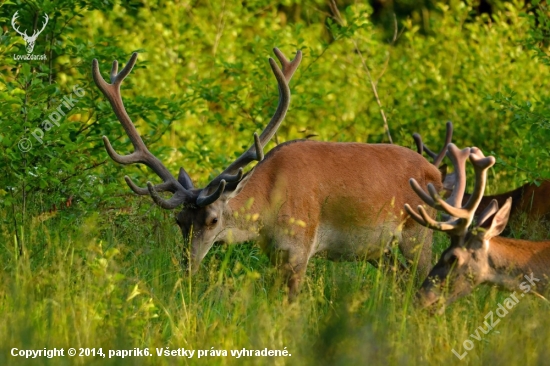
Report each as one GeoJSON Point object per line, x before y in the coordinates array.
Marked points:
{"type": "Point", "coordinates": [530, 199]}
{"type": "Point", "coordinates": [356, 190]}
{"type": "Point", "coordinates": [477, 253]}
{"type": "Point", "coordinates": [487, 258]}
{"type": "Point", "coordinates": [520, 257]}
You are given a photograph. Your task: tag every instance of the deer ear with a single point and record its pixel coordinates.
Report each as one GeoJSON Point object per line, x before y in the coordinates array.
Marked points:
{"type": "Point", "coordinates": [485, 218]}
{"type": "Point", "coordinates": [240, 186]}
{"type": "Point", "coordinates": [499, 222]}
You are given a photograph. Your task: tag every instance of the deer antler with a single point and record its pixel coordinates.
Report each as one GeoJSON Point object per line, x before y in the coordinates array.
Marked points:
{"type": "Point", "coordinates": [437, 158]}
{"type": "Point", "coordinates": [141, 154]}
{"type": "Point", "coordinates": [233, 173]}
{"type": "Point", "coordinates": [183, 187]}
{"type": "Point", "coordinates": [459, 217]}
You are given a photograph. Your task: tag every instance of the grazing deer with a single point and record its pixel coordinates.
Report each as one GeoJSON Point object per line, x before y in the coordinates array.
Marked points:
{"type": "Point", "coordinates": [530, 199]}
{"type": "Point", "coordinates": [302, 198]}
{"type": "Point", "coordinates": [476, 254]}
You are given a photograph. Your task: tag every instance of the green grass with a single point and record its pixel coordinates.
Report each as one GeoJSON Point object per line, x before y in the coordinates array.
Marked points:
{"type": "Point", "coordinates": [114, 282]}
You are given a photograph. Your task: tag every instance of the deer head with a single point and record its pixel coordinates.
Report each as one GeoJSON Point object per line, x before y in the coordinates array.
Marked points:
{"type": "Point", "coordinates": [29, 40]}
{"type": "Point", "coordinates": [201, 219]}
{"type": "Point", "coordinates": [465, 264]}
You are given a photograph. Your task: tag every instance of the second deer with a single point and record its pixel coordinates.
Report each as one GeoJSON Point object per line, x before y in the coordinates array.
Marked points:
{"type": "Point", "coordinates": [530, 199]}
{"type": "Point", "coordinates": [476, 253]}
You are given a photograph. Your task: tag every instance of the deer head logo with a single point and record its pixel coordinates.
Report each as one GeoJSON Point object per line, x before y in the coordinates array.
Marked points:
{"type": "Point", "coordinates": [29, 39]}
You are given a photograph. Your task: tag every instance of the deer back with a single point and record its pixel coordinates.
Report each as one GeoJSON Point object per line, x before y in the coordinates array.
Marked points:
{"type": "Point", "coordinates": [344, 184]}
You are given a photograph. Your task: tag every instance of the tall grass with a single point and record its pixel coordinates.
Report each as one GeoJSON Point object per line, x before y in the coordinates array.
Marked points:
{"type": "Point", "coordinates": [115, 282]}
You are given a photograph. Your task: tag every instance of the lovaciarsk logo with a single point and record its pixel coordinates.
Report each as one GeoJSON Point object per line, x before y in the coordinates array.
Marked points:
{"type": "Point", "coordinates": [29, 40]}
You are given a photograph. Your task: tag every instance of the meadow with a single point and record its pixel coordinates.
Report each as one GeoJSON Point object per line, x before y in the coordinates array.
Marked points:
{"type": "Point", "coordinates": [84, 263]}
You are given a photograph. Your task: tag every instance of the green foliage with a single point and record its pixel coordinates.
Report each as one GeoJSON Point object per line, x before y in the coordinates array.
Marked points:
{"type": "Point", "coordinates": [529, 119]}
{"type": "Point", "coordinates": [104, 270]}
{"type": "Point", "coordinates": [50, 144]}
{"type": "Point", "coordinates": [202, 87]}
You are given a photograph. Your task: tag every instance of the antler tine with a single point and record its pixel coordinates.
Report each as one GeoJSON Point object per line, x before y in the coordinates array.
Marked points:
{"type": "Point", "coordinates": [458, 158]}
{"type": "Point", "coordinates": [162, 187]}
{"type": "Point", "coordinates": [255, 152]}
{"type": "Point", "coordinates": [466, 213]}
{"type": "Point", "coordinates": [141, 154]}
{"type": "Point", "coordinates": [481, 165]}
{"type": "Point", "coordinates": [420, 192]}
{"type": "Point", "coordinates": [452, 226]}
{"type": "Point", "coordinates": [284, 94]}
{"type": "Point", "coordinates": [183, 179]}
{"type": "Point", "coordinates": [477, 151]}
{"type": "Point", "coordinates": [213, 197]}
{"type": "Point", "coordinates": [448, 138]}
{"type": "Point", "coordinates": [437, 157]}
{"type": "Point", "coordinates": [440, 204]}
{"type": "Point", "coordinates": [424, 219]}
{"type": "Point", "coordinates": [414, 215]}
{"type": "Point", "coordinates": [457, 222]}
{"type": "Point", "coordinates": [430, 153]}
{"type": "Point", "coordinates": [419, 145]}
{"type": "Point", "coordinates": [289, 67]}
{"type": "Point", "coordinates": [177, 199]}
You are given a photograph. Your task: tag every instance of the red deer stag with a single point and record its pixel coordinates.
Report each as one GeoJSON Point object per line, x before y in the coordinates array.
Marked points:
{"type": "Point", "coordinates": [302, 198]}
{"type": "Point", "coordinates": [530, 199]}
{"type": "Point", "coordinates": [476, 254]}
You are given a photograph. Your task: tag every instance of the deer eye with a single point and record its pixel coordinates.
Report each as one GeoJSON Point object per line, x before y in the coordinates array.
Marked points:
{"type": "Point", "coordinates": [211, 221]}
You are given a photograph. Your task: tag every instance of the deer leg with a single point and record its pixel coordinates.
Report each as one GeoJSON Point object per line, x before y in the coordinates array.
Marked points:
{"type": "Point", "coordinates": [292, 265]}
{"type": "Point", "coordinates": [295, 246]}
{"type": "Point", "coordinates": [294, 271]}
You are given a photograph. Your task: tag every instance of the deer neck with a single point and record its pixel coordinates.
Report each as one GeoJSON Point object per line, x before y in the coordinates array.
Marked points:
{"type": "Point", "coordinates": [511, 260]}
{"type": "Point", "coordinates": [244, 214]}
